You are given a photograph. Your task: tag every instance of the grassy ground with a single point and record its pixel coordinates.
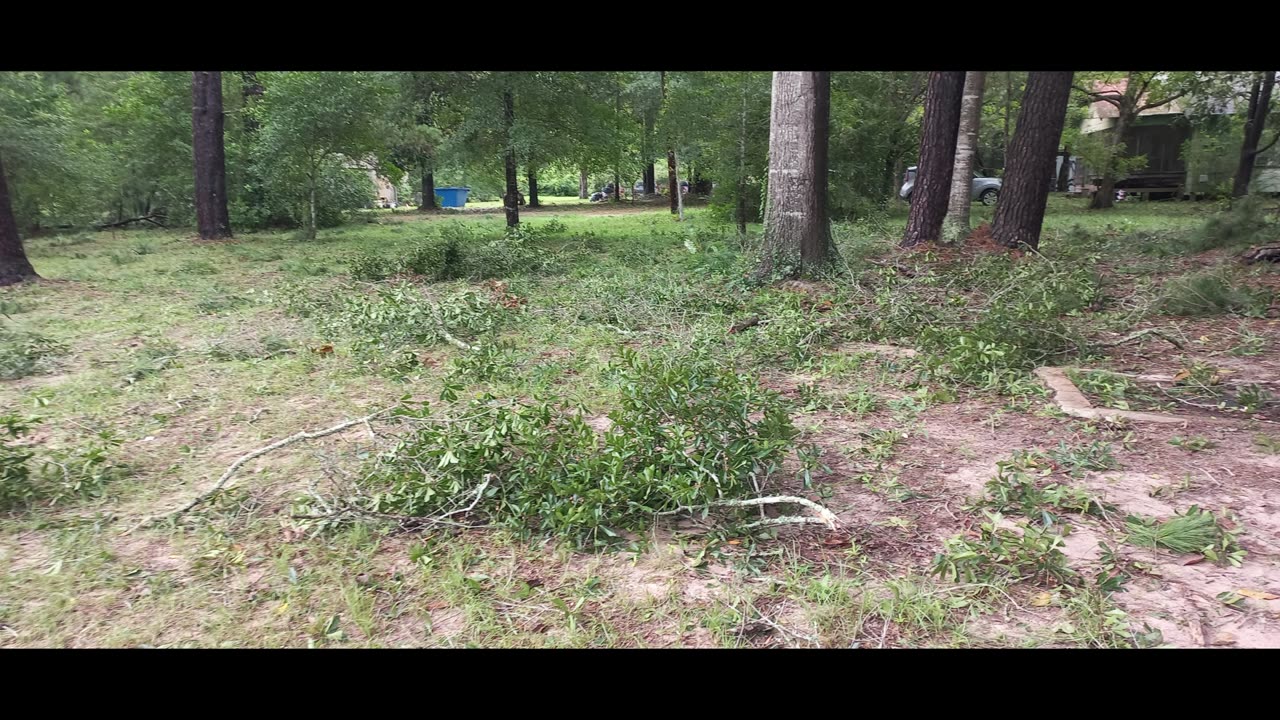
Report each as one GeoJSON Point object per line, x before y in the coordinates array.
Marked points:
{"type": "Point", "coordinates": [194, 354]}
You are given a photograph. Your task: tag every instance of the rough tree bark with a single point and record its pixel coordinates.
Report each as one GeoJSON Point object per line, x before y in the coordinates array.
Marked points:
{"type": "Point", "coordinates": [937, 156]}
{"type": "Point", "coordinates": [583, 188]}
{"type": "Point", "coordinates": [672, 187]}
{"type": "Point", "coordinates": [510, 201]}
{"type": "Point", "coordinates": [797, 235]}
{"type": "Point", "coordinates": [740, 212]}
{"type": "Point", "coordinates": [532, 177]}
{"type": "Point", "coordinates": [1259, 105]}
{"type": "Point", "coordinates": [14, 266]}
{"type": "Point", "coordinates": [956, 224]}
{"type": "Point", "coordinates": [212, 219]}
{"type": "Point", "coordinates": [1032, 150]}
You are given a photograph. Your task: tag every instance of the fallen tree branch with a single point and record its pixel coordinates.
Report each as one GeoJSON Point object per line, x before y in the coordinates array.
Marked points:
{"type": "Point", "coordinates": [488, 478]}
{"type": "Point", "coordinates": [825, 516]}
{"type": "Point", "coordinates": [744, 324]}
{"type": "Point", "coordinates": [235, 466]}
{"type": "Point", "coordinates": [141, 218]}
{"type": "Point", "coordinates": [1141, 334]}
{"type": "Point", "coordinates": [454, 341]}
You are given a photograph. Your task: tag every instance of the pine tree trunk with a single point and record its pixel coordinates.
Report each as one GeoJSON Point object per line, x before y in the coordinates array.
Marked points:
{"type": "Point", "coordinates": [532, 176]}
{"type": "Point", "coordinates": [583, 187]}
{"type": "Point", "coordinates": [617, 187]}
{"type": "Point", "coordinates": [1259, 104]}
{"type": "Point", "coordinates": [428, 191]}
{"type": "Point", "coordinates": [937, 157]}
{"type": "Point", "coordinates": [957, 221]}
{"type": "Point", "coordinates": [510, 201]}
{"type": "Point", "coordinates": [1020, 211]}
{"type": "Point", "coordinates": [1064, 172]}
{"type": "Point", "coordinates": [797, 236]}
{"type": "Point", "coordinates": [14, 266]}
{"type": "Point", "coordinates": [741, 191]}
{"type": "Point", "coordinates": [212, 219]}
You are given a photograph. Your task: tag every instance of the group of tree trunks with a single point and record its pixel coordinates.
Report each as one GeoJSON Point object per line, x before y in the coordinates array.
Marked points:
{"type": "Point", "coordinates": [797, 231]}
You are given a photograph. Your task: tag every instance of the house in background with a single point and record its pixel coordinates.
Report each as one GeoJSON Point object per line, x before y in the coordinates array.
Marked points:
{"type": "Point", "coordinates": [385, 193]}
{"type": "Point", "coordinates": [1184, 159]}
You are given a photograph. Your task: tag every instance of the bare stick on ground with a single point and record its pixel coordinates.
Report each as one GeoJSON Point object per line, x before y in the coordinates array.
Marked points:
{"type": "Point", "coordinates": [235, 466]}
{"type": "Point", "coordinates": [1141, 334]}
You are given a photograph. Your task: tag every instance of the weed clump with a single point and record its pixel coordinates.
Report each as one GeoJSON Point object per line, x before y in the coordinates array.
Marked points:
{"type": "Point", "coordinates": [58, 474]}
{"type": "Point", "coordinates": [1026, 553]}
{"type": "Point", "coordinates": [1246, 223]}
{"type": "Point", "coordinates": [1210, 292]}
{"type": "Point", "coordinates": [26, 353]}
{"type": "Point", "coordinates": [1194, 531]}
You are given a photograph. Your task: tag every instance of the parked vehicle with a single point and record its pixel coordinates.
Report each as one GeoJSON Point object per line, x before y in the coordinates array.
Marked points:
{"type": "Point", "coordinates": [985, 190]}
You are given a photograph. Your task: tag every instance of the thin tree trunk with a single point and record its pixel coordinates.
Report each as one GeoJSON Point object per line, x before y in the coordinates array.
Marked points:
{"type": "Point", "coordinates": [314, 226]}
{"type": "Point", "coordinates": [679, 201]}
{"type": "Point", "coordinates": [650, 176]}
{"type": "Point", "coordinates": [1020, 212]}
{"type": "Point", "coordinates": [1259, 104]}
{"type": "Point", "coordinates": [510, 201]}
{"type": "Point", "coordinates": [212, 219]}
{"type": "Point", "coordinates": [583, 188]}
{"type": "Point", "coordinates": [957, 220]}
{"type": "Point", "coordinates": [937, 157]}
{"type": "Point", "coordinates": [1118, 142]}
{"type": "Point", "coordinates": [428, 203]}
{"type": "Point", "coordinates": [14, 265]}
{"type": "Point", "coordinates": [1105, 196]}
{"type": "Point", "coordinates": [250, 88]}
{"type": "Point", "coordinates": [1064, 172]}
{"type": "Point", "coordinates": [797, 236]}
{"type": "Point", "coordinates": [532, 176]}
{"type": "Point", "coordinates": [673, 188]}
{"type": "Point", "coordinates": [741, 191]}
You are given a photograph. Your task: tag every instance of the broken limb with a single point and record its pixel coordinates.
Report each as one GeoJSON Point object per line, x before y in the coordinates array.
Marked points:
{"type": "Point", "coordinates": [1141, 334]}
{"type": "Point", "coordinates": [235, 466]}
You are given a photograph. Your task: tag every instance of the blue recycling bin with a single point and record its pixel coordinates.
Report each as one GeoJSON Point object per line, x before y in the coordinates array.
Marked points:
{"type": "Point", "coordinates": [453, 197]}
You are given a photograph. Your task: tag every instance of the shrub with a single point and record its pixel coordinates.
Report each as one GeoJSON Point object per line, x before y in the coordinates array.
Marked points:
{"type": "Point", "coordinates": [1244, 224]}
{"type": "Point", "coordinates": [688, 432]}
{"type": "Point", "coordinates": [24, 353]}
{"type": "Point", "coordinates": [17, 486]}
{"type": "Point", "coordinates": [59, 474]}
{"type": "Point", "coordinates": [1027, 553]}
{"type": "Point", "coordinates": [1195, 531]}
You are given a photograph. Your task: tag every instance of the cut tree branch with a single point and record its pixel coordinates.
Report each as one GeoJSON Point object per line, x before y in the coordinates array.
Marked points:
{"type": "Point", "coordinates": [1141, 334]}
{"type": "Point", "coordinates": [152, 218]}
{"type": "Point", "coordinates": [1164, 101]}
{"type": "Point", "coordinates": [235, 466]}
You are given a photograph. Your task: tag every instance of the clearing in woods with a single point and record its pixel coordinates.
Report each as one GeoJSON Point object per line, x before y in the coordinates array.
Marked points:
{"type": "Point", "coordinates": [972, 510]}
